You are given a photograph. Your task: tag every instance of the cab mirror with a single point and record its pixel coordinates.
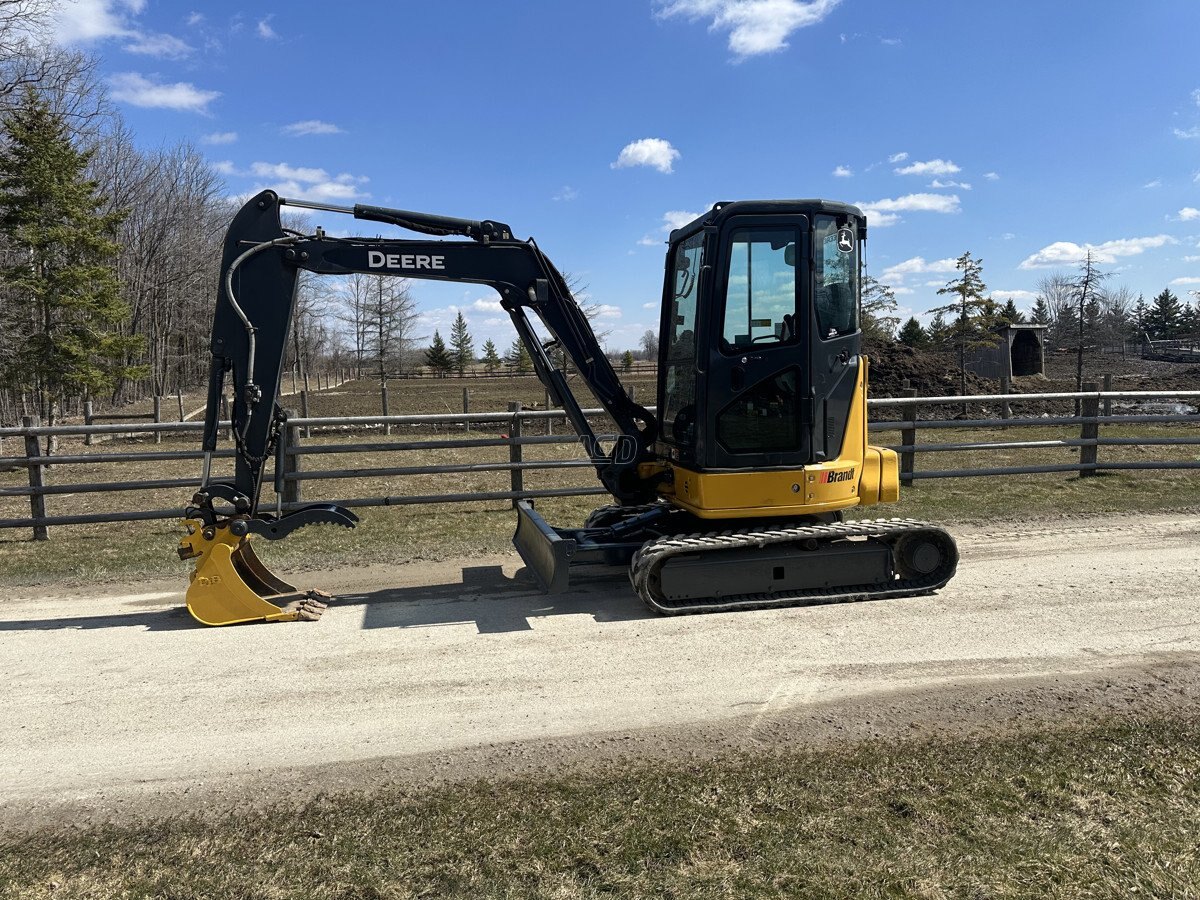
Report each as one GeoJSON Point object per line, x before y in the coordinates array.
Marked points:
{"type": "Point", "coordinates": [789, 255]}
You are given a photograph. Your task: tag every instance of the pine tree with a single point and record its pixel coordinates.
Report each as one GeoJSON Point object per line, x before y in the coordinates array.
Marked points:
{"type": "Point", "coordinates": [1164, 317]}
{"type": "Point", "coordinates": [627, 361]}
{"type": "Point", "coordinates": [974, 313]}
{"type": "Point", "coordinates": [938, 331]}
{"type": "Point", "coordinates": [912, 334]}
{"type": "Point", "coordinates": [462, 346]}
{"type": "Point", "coordinates": [437, 357]}
{"type": "Point", "coordinates": [518, 358]}
{"type": "Point", "coordinates": [491, 359]}
{"type": "Point", "coordinates": [1041, 311]}
{"type": "Point", "coordinates": [61, 262]}
{"type": "Point", "coordinates": [1009, 313]}
{"type": "Point", "coordinates": [878, 306]}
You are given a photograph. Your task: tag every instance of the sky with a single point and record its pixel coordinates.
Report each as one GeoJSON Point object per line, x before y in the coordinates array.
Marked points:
{"type": "Point", "coordinates": [1025, 132]}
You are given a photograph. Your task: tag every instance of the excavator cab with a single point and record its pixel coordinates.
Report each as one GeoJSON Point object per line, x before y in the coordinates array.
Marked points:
{"type": "Point", "coordinates": [729, 496]}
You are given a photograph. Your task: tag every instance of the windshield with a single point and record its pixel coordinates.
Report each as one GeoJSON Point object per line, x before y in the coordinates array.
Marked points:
{"type": "Point", "coordinates": [835, 292]}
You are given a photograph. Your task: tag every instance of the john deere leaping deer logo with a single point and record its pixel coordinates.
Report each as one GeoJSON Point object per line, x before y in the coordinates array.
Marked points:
{"type": "Point", "coordinates": [845, 240]}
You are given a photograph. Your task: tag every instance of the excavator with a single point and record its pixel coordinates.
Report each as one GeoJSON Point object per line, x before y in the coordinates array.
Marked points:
{"type": "Point", "coordinates": [730, 496]}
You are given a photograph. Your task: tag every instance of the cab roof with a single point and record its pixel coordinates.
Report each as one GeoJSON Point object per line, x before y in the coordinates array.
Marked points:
{"type": "Point", "coordinates": [723, 210]}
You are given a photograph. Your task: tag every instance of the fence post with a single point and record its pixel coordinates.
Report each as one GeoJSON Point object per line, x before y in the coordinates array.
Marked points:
{"type": "Point", "coordinates": [1005, 408]}
{"type": "Point", "coordinates": [908, 437]}
{"type": "Point", "coordinates": [1089, 408]}
{"type": "Point", "coordinates": [467, 407]}
{"type": "Point", "coordinates": [1108, 400]}
{"type": "Point", "coordinates": [304, 409]}
{"type": "Point", "coordinates": [179, 399]}
{"type": "Point", "coordinates": [291, 464]}
{"type": "Point", "coordinates": [37, 500]}
{"type": "Point", "coordinates": [87, 420]}
{"type": "Point", "coordinates": [157, 418]}
{"type": "Point", "coordinates": [514, 450]}
{"type": "Point", "coordinates": [383, 394]}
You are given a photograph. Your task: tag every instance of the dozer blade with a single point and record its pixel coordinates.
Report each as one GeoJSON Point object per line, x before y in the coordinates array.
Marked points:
{"type": "Point", "coordinates": [231, 585]}
{"type": "Point", "coordinates": [546, 552]}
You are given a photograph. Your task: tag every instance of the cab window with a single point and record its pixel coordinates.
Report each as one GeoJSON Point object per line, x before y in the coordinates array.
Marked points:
{"type": "Point", "coordinates": [760, 293]}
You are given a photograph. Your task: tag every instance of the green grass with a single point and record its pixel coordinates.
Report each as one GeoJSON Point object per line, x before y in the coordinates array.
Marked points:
{"type": "Point", "coordinates": [1103, 810]}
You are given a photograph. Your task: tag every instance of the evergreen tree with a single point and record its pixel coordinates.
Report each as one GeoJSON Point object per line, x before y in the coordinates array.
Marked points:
{"type": "Point", "coordinates": [974, 313]}
{"type": "Point", "coordinates": [627, 361]}
{"type": "Point", "coordinates": [438, 358]}
{"type": "Point", "coordinates": [912, 334]}
{"type": "Point", "coordinates": [491, 359]}
{"type": "Point", "coordinates": [1141, 313]}
{"type": "Point", "coordinates": [60, 265]}
{"type": "Point", "coordinates": [462, 346]}
{"type": "Point", "coordinates": [1164, 317]}
{"type": "Point", "coordinates": [878, 307]}
{"type": "Point", "coordinates": [518, 358]}
{"type": "Point", "coordinates": [1009, 313]}
{"type": "Point", "coordinates": [1041, 311]}
{"type": "Point", "coordinates": [938, 332]}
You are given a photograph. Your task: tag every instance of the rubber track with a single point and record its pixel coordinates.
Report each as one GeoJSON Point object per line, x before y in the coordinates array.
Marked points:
{"type": "Point", "coordinates": [648, 562]}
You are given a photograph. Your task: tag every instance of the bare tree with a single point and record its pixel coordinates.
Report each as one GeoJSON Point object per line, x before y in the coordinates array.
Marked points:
{"type": "Point", "coordinates": [649, 345]}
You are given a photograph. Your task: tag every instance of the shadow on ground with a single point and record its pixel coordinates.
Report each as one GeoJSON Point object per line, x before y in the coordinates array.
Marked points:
{"type": "Point", "coordinates": [486, 597]}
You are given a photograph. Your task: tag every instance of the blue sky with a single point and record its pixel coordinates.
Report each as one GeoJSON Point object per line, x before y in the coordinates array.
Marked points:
{"type": "Point", "coordinates": [1024, 132]}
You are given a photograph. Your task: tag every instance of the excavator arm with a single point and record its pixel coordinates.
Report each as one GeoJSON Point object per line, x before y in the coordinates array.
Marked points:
{"type": "Point", "coordinates": [260, 270]}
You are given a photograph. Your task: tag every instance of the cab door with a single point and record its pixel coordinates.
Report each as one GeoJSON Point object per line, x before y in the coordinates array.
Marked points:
{"type": "Point", "coordinates": [758, 406]}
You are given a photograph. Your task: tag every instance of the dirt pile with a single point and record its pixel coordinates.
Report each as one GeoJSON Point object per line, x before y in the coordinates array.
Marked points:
{"type": "Point", "coordinates": [932, 373]}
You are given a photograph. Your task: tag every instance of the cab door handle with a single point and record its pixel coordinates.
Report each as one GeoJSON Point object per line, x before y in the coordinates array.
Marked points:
{"type": "Point", "coordinates": [737, 379]}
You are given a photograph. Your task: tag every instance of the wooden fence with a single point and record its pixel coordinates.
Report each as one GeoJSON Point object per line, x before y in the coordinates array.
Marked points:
{"type": "Point", "coordinates": [303, 461]}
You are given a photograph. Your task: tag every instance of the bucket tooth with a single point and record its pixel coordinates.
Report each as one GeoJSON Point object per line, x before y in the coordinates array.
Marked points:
{"type": "Point", "coordinates": [231, 584]}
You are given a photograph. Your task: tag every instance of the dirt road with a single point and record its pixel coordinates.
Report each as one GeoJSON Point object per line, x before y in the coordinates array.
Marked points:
{"type": "Point", "coordinates": [115, 700]}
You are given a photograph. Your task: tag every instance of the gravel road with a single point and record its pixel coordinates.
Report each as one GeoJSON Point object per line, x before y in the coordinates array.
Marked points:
{"type": "Point", "coordinates": [115, 701]}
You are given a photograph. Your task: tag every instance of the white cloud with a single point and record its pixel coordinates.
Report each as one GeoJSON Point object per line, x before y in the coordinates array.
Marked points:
{"type": "Point", "coordinates": [1007, 236]}
{"type": "Point", "coordinates": [886, 212]}
{"type": "Point", "coordinates": [651, 305]}
{"type": "Point", "coordinates": [566, 194]}
{"type": "Point", "coordinates": [195, 19]}
{"type": "Point", "coordinates": [220, 137]}
{"type": "Point", "coordinates": [649, 241]}
{"type": "Point", "coordinates": [1189, 134]}
{"type": "Point", "coordinates": [1182, 281]}
{"type": "Point", "coordinates": [302, 181]}
{"type": "Point", "coordinates": [607, 311]}
{"type": "Point", "coordinates": [90, 21]}
{"type": "Point", "coordinates": [265, 31]}
{"type": "Point", "coordinates": [310, 126]}
{"type": "Point", "coordinates": [897, 158]}
{"type": "Point", "coordinates": [677, 218]}
{"type": "Point", "coordinates": [166, 46]}
{"type": "Point", "coordinates": [930, 167]}
{"type": "Point", "coordinates": [938, 183]}
{"type": "Point", "coordinates": [1067, 253]}
{"type": "Point", "coordinates": [843, 172]}
{"type": "Point", "coordinates": [486, 305]}
{"type": "Point", "coordinates": [84, 21]}
{"type": "Point", "coordinates": [754, 26]}
{"type": "Point", "coordinates": [654, 152]}
{"type": "Point", "coordinates": [137, 90]}
{"type": "Point", "coordinates": [1188, 214]}
{"type": "Point", "coordinates": [1191, 259]}
{"type": "Point", "coordinates": [1015, 296]}
{"type": "Point", "coordinates": [1157, 182]}
{"type": "Point", "coordinates": [898, 290]}
{"type": "Point", "coordinates": [1196, 96]}
{"type": "Point", "coordinates": [991, 176]}
{"type": "Point", "coordinates": [915, 266]}
{"type": "Point", "coordinates": [226, 167]}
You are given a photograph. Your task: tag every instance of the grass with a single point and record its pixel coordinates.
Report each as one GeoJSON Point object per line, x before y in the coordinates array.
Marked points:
{"type": "Point", "coordinates": [402, 534]}
{"type": "Point", "coordinates": [1108, 809]}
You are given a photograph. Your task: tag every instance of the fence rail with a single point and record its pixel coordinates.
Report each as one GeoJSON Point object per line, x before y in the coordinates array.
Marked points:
{"type": "Point", "coordinates": [1094, 415]}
